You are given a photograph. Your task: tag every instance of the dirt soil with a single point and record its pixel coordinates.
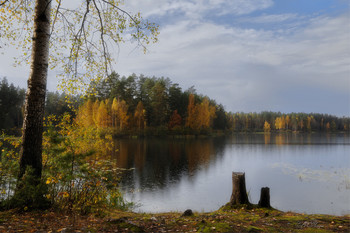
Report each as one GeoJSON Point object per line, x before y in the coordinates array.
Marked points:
{"type": "Point", "coordinates": [223, 220]}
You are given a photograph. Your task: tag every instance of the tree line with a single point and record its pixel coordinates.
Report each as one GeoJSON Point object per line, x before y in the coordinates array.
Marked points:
{"type": "Point", "coordinates": [11, 106]}
{"type": "Point", "coordinates": [142, 104]}
{"type": "Point", "coordinates": [277, 121]}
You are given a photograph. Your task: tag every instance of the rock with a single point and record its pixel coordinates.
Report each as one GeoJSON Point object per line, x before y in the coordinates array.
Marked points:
{"type": "Point", "coordinates": [118, 220]}
{"type": "Point", "coordinates": [187, 213]}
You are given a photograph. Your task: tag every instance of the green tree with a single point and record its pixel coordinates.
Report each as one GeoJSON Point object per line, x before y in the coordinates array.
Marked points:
{"type": "Point", "coordinates": [221, 120]}
{"type": "Point", "coordinates": [11, 102]}
{"type": "Point", "coordinates": [56, 104]}
{"type": "Point", "coordinates": [177, 100]}
{"type": "Point", "coordinates": [159, 103]}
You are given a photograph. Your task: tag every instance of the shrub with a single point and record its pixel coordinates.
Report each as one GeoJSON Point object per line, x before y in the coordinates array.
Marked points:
{"type": "Point", "coordinates": [77, 175]}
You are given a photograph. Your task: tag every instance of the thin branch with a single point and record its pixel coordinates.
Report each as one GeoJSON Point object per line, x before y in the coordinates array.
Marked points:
{"type": "Point", "coordinates": [57, 11]}
{"type": "Point", "coordinates": [119, 9]}
{"type": "Point", "coordinates": [3, 3]}
{"type": "Point", "coordinates": [130, 17]}
{"type": "Point", "coordinates": [78, 36]}
{"type": "Point", "coordinates": [102, 37]}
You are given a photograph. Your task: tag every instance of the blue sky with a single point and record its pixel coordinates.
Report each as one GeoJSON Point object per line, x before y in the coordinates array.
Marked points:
{"type": "Point", "coordinates": [249, 55]}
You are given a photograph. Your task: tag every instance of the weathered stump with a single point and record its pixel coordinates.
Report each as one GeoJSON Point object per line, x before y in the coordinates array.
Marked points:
{"type": "Point", "coordinates": [265, 198]}
{"type": "Point", "coordinates": [239, 193]}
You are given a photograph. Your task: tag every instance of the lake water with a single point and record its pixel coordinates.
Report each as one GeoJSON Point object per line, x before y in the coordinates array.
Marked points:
{"type": "Point", "coordinates": [306, 173]}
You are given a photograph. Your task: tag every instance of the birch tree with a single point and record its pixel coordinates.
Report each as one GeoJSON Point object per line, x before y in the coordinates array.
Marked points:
{"type": "Point", "coordinates": [81, 37]}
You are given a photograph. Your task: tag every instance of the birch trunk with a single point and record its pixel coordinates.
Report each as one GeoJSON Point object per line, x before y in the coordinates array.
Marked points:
{"type": "Point", "coordinates": [31, 151]}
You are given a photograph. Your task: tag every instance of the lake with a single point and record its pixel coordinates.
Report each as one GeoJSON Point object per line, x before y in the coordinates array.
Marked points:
{"type": "Point", "coordinates": [306, 173]}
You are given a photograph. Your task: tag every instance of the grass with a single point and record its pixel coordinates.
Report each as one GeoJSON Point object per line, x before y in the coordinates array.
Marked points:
{"type": "Point", "coordinates": [222, 220]}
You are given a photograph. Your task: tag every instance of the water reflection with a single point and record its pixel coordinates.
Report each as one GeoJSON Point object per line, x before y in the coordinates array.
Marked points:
{"type": "Point", "coordinates": [158, 162]}
{"type": "Point", "coordinates": [306, 172]}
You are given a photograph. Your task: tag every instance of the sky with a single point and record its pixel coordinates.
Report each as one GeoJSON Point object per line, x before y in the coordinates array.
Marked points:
{"type": "Point", "coordinates": [248, 55]}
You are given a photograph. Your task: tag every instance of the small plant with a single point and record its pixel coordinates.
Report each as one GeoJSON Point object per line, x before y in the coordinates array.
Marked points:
{"type": "Point", "coordinates": [77, 174]}
{"type": "Point", "coordinates": [9, 167]}
{"type": "Point", "coordinates": [29, 193]}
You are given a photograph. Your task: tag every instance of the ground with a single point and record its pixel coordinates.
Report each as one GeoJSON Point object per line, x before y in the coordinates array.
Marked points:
{"type": "Point", "coordinates": [223, 220]}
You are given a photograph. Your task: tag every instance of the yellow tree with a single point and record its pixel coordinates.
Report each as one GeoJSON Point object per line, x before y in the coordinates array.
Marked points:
{"type": "Point", "coordinates": [278, 123]}
{"type": "Point", "coordinates": [191, 113]}
{"type": "Point", "coordinates": [267, 127]}
{"type": "Point", "coordinates": [109, 103]}
{"type": "Point", "coordinates": [205, 114]}
{"type": "Point", "coordinates": [287, 122]}
{"type": "Point", "coordinates": [102, 115]}
{"type": "Point", "coordinates": [120, 112]}
{"type": "Point", "coordinates": [123, 114]}
{"type": "Point", "coordinates": [114, 110]}
{"type": "Point", "coordinates": [283, 123]}
{"type": "Point", "coordinates": [139, 116]}
{"type": "Point", "coordinates": [84, 116]}
{"type": "Point", "coordinates": [95, 108]}
{"type": "Point", "coordinates": [308, 123]}
{"type": "Point", "coordinates": [78, 38]}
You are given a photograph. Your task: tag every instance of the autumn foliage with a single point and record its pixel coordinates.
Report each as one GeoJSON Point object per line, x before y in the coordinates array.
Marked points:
{"type": "Point", "coordinates": [146, 106]}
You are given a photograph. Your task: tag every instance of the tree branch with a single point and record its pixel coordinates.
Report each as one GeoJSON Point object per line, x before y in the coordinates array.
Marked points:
{"type": "Point", "coordinates": [57, 11]}
{"type": "Point", "coordinates": [78, 37]}
{"type": "Point", "coordinates": [130, 17]}
{"type": "Point", "coordinates": [3, 3]}
{"type": "Point", "coordinates": [105, 54]}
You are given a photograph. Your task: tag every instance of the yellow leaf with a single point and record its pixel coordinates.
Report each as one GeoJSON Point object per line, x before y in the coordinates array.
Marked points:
{"type": "Point", "coordinates": [48, 181]}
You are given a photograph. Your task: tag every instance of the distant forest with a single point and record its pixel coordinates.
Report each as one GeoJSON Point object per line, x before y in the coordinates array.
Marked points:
{"type": "Point", "coordinates": [150, 105]}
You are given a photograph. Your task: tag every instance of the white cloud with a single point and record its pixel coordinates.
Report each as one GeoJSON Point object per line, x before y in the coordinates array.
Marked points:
{"type": "Point", "coordinates": [247, 69]}
{"type": "Point", "coordinates": [272, 18]}
{"type": "Point", "coordinates": [197, 8]}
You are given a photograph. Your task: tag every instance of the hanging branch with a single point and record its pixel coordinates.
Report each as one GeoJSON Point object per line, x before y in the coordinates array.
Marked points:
{"type": "Point", "coordinates": [3, 3]}
{"type": "Point", "coordinates": [105, 52]}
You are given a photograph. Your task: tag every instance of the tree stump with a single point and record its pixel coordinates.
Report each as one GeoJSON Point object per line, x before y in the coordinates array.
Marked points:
{"type": "Point", "coordinates": [265, 198]}
{"type": "Point", "coordinates": [239, 193]}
